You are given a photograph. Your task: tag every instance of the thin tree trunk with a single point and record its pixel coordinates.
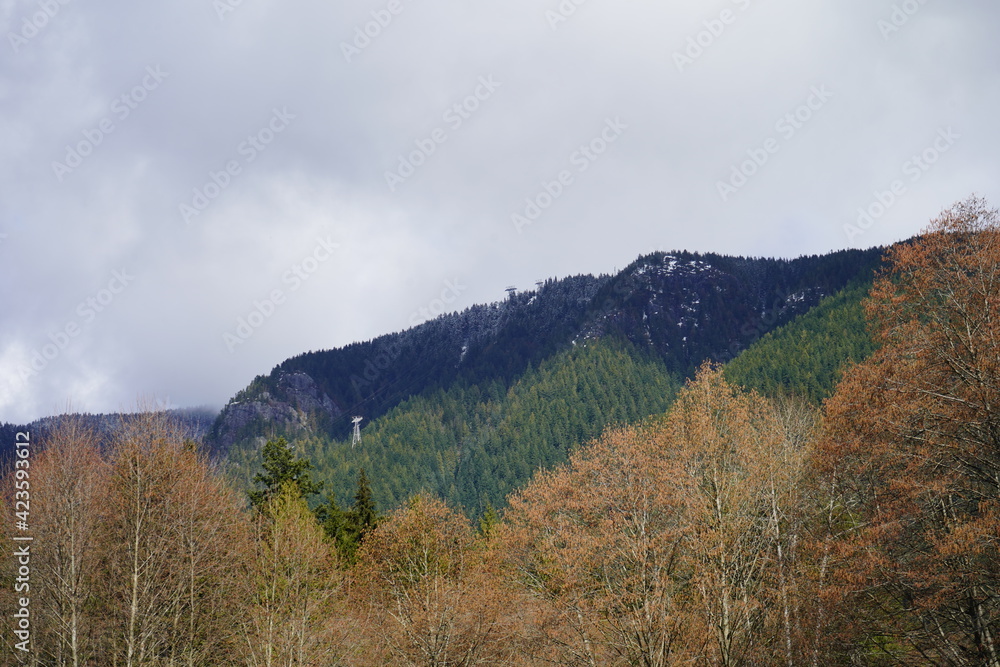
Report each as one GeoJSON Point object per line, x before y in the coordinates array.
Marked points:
{"type": "Point", "coordinates": [133, 612]}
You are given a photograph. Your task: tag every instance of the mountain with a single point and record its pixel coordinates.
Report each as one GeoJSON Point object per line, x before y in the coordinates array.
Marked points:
{"type": "Point", "coordinates": [684, 307]}
{"type": "Point", "coordinates": [320, 391]}
{"type": "Point", "coordinates": [470, 404]}
{"type": "Point", "coordinates": [194, 422]}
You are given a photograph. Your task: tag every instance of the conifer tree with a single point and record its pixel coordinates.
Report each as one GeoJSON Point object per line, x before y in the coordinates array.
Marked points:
{"type": "Point", "coordinates": [333, 519]}
{"type": "Point", "coordinates": [362, 516]}
{"type": "Point", "coordinates": [348, 527]}
{"type": "Point", "coordinates": [488, 521]}
{"type": "Point", "coordinates": [280, 466]}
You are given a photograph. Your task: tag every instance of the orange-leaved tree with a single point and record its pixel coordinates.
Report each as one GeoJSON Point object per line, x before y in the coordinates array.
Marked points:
{"type": "Point", "coordinates": [432, 596]}
{"type": "Point", "coordinates": [600, 544]}
{"type": "Point", "coordinates": [171, 536]}
{"type": "Point", "coordinates": [913, 452]}
{"type": "Point", "coordinates": [674, 543]}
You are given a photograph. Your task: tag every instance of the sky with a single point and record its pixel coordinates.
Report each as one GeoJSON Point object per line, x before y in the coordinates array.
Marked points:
{"type": "Point", "coordinates": [193, 191]}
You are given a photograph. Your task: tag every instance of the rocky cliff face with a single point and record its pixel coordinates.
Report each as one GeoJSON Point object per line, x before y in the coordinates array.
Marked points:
{"type": "Point", "coordinates": [296, 405]}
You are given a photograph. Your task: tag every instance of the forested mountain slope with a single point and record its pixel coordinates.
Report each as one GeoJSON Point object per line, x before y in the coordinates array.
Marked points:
{"type": "Point", "coordinates": [474, 444]}
{"type": "Point", "coordinates": [726, 529]}
{"type": "Point", "coordinates": [682, 307]}
{"type": "Point", "coordinates": [806, 357]}
{"type": "Point", "coordinates": [318, 392]}
{"type": "Point", "coordinates": [469, 405]}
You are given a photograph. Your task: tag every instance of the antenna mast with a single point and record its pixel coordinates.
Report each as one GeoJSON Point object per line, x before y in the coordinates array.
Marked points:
{"type": "Point", "coordinates": [356, 437]}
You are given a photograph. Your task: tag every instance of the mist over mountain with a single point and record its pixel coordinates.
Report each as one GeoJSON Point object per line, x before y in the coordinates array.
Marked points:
{"type": "Point", "coordinates": [193, 423]}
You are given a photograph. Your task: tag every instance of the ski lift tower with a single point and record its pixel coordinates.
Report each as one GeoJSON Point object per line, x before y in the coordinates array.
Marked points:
{"type": "Point", "coordinates": [510, 291]}
{"type": "Point", "coordinates": [356, 438]}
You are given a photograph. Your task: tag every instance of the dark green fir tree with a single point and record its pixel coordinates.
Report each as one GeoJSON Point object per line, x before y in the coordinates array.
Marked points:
{"type": "Point", "coordinates": [281, 466]}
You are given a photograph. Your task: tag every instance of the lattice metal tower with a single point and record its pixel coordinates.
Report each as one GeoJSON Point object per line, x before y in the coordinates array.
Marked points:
{"type": "Point", "coordinates": [356, 438]}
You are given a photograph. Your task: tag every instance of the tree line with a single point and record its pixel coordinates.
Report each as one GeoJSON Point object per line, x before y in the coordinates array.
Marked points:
{"type": "Point", "coordinates": [734, 529]}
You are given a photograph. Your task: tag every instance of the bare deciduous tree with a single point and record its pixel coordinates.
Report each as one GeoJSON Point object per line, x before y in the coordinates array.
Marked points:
{"type": "Point", "coordinates": [171, 532]}
{"type": "Point", "coordinates": [68, 487]}
{"type": "Point", "coordinates": [433, 599]}
{"type": "Point", "coordinates": [296, 614]}
{"type": "Point", "coordinates": [672, 543]}
{"type": "Point", "coordinates": [912, 442]}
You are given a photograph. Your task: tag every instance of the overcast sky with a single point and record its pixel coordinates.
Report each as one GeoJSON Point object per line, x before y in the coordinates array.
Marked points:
{"type": "Point", "coordinates": [344, 169]}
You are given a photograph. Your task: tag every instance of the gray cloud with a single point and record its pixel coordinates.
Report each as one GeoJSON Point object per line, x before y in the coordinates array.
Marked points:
{"type": "Point", "coordinates": [702, 88]}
